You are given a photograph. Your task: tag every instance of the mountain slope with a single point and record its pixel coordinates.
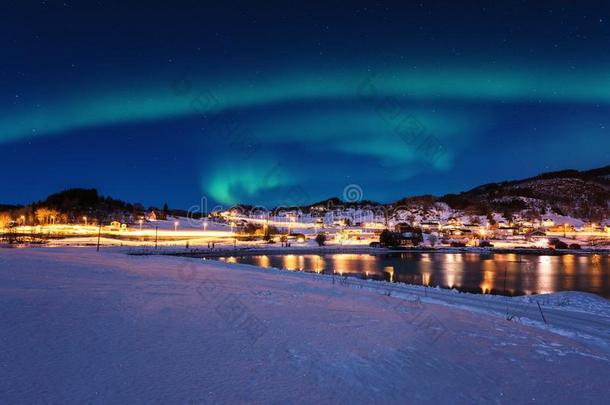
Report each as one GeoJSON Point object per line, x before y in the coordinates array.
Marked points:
{"type": "Point", "coordinates": [582, 194]}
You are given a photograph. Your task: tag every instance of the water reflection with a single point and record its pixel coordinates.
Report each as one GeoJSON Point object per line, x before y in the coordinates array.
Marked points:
{"type": "Point", "coordinates": [545, 275]}
{"type": "Point", "coordinates": [263, 261]}
{"type": "Point", "coordinates": [490, 273]}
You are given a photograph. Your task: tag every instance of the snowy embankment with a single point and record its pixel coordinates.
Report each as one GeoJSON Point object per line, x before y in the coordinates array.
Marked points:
{"type": "Point", "coordinates": [86, 327]}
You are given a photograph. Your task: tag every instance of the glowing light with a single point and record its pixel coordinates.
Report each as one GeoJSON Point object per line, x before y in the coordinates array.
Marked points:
{"type": "Point", "coordinates": [290, 262]}
{"type": "Point", "coordinates": [390, 271]}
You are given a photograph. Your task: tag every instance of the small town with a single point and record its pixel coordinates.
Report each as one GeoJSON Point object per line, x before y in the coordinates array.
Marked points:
{"type": "Point", "coordinates": [378, 226]}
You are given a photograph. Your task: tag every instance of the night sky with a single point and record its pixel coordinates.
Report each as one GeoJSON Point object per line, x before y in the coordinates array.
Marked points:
{"type": "Point", "coordinates": [289, 103]}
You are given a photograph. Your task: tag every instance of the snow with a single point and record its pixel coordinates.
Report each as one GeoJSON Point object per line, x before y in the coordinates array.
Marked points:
{"type": "Point", "coordinates": [562, 219]}
{"type": "Point", "coordinates": [80, 326]}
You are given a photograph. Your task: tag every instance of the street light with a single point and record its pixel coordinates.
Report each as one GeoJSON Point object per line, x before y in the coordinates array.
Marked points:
{"type": "Point", "coordinates": [205, 225]}
{"type": "Point", "coordinates": [175, 226]}
{"type": "Point", "coordinates": [140, 224]}
{"type": "Point", "coordinates": [85, 219]}
{"type": "Point", "coordinates": [292, 220]}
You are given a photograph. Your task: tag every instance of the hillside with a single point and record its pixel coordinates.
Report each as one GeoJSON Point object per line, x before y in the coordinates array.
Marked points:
{"type": "Point", "coordinates": [580, 194]}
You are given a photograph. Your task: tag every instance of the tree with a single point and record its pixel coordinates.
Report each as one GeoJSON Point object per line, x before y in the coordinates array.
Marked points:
{"type": "Point", "coordinates": [387, 238]}
{"type": "Point", "coordinates": [508, 215]}
{"type": "Point", "coordinates": [250, 228]}
{"type": "Point", "coordinates": [5, 220]}
{"type": "Point", "coordinates": [42, 215]}
{"type": "Point", "coordinates": [165, 211]}
{"type": "Point", "coordinates": [270, 230]}
{"type": "Point", "coordinates": [320, 239]}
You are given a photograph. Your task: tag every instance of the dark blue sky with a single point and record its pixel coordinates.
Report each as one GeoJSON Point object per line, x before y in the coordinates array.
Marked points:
{"type": "Point", "coordinates": [276, 103]}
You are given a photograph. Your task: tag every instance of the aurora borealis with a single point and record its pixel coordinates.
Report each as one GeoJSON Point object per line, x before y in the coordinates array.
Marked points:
{"type": "Point", "coordinates": [247, 103]}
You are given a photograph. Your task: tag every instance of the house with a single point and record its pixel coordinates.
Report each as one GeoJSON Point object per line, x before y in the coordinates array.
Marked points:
{"type": "Point", "coordinates": [524, 230]}
{"type": "Point", "coordinates": [561, 228]}
{"type": "Point", "coordinates": [453, 232]}
{"type": "Point", "coordinates": [403, 227]}
{"type": "Point", "coordinates": [341, 222]}
{"type": "Point", "coordinates": [465, 232]}
{"type": "Point", "coordinates": [406, 239]}
{"type": "Point", "coordinates": [474, 228]}
{"type": "Point", "coordinates": [452, 223]}
{"type": "Point", "coordinates": [591, 227]}
{"type": "Point", "coordinates": [548, 222]}
{"type": "Point", "coordinates": [430, 226]}
{"type": "Point", "coordinates": [152, 216]}
{"type": "Point", "coordinates": [505, 231]}
{"type": "Point", "coordinates": [405, 235]}
{"type": "Point", "coordinates": [524, 223]}
{"type": "Point", "coordinates": [538, 237]}
{"type": "Point", "coordinates": [349, 234]}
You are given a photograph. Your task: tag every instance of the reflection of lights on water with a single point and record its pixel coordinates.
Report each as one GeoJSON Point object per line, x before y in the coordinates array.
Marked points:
{"type": "Point", "coordinates": [450, 278]}
{"type": "Point", "coordinates": [453, 270]}
{"type": "Point", "coordinates": [472, 257]}
{"type": "Point", "coordinates": [545, 275]}
{"type": "Point", "coordinates": [263, 261]}
{"type": "Point", "coordinates": [390, 270]}
{"type": "Point", "coordinates": [489, 276]}
{"type": "Point", "coordinates": [342, 262]}
{"type": "Point", "coordinates": [368, 264]}
{"type": "Point", "coordinates": [290, 262]}
{"type": "Point", "coordinates": [568, 268]}
{"type": "Point", "coordinates": [425, 279]}
{"type": "Point", "coordinates": [318, 263]}
{"type": "Point", "coordinates": [453, 258]}
{"type": "Point", "coordinates": [425, 268]}
{"type": "Point", "coordinates": [488, 281]}
{"type": "Point", "coordinates": [532, 274]}
{"type": "Point", "coordinates": [596, 259]}
{"type": "Point", "coordinates": [596, 272]}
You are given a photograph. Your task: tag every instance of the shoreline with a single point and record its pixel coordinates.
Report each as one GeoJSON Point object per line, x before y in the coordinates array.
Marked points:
{"type": "Point", "coordinates": [325, 250]}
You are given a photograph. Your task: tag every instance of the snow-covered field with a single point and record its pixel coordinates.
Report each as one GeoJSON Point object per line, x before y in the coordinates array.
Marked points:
{"type": "Point", "coordinates": [85, 327]}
